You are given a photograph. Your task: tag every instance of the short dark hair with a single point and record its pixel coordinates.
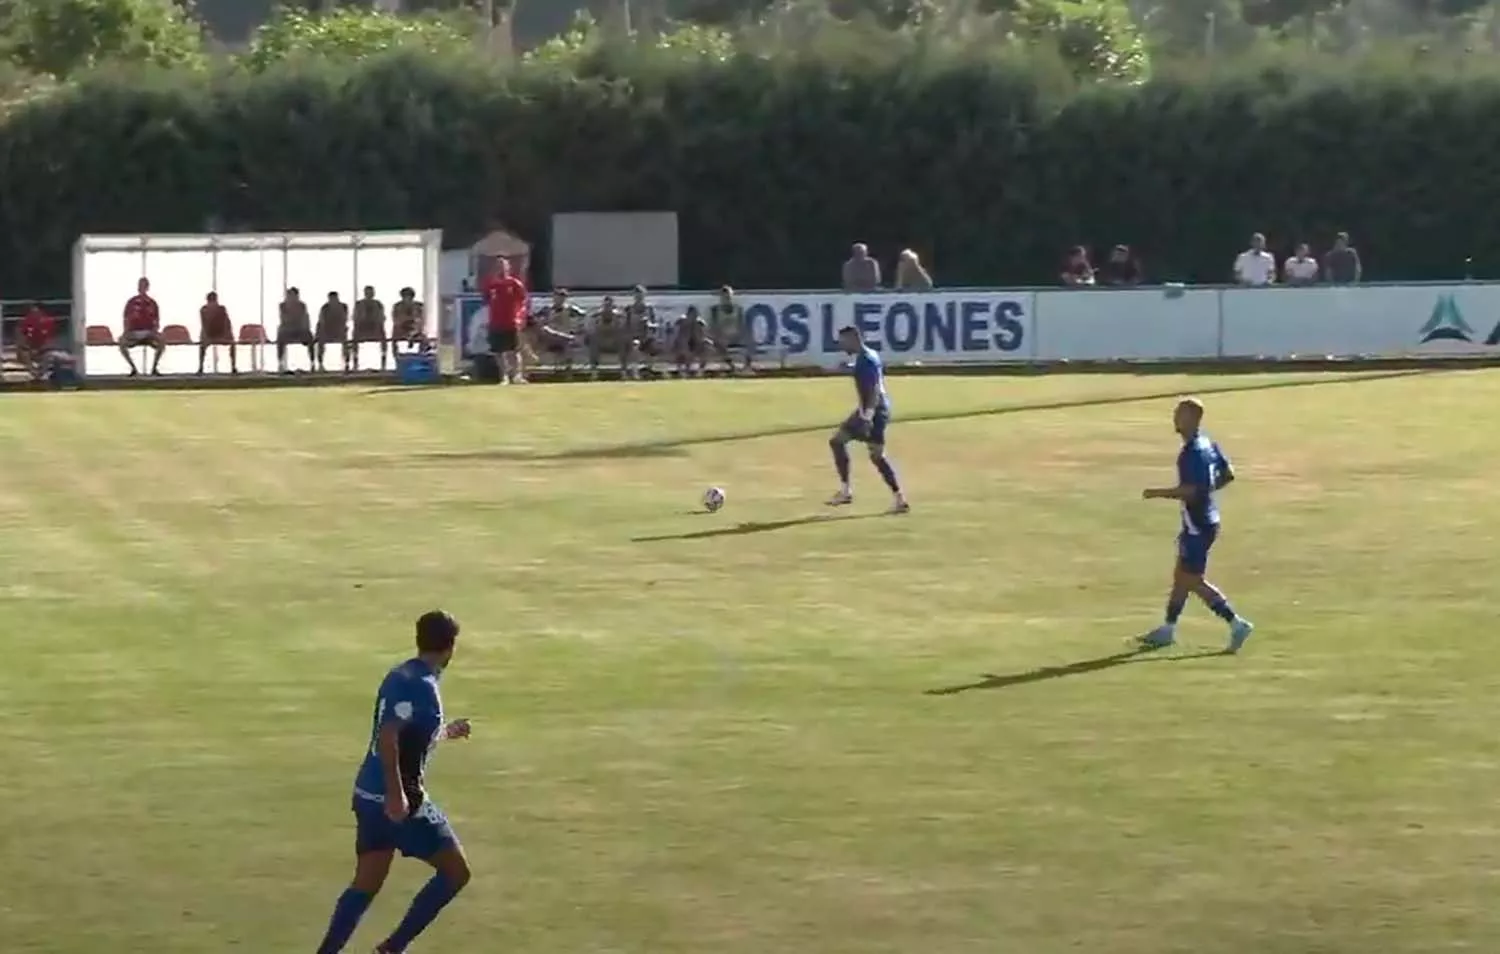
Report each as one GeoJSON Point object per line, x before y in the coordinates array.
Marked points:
{"type": "Point", "coordinates": [436, 632]}
{"type": "Point", "coordinates": [848, 330]}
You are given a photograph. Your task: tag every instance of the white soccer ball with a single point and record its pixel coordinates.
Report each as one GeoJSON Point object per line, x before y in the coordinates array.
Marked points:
{"type": "Point", "coordinates": [713, 499]}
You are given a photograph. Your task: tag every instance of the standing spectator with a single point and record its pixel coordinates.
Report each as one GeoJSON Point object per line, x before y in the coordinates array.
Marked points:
{"type": "Point", "coordinates": [214, 328]}
{"type": "Point", "coordinates": [294, 327]}
{"type": "Point", "coordinates": [142, 327]}
{"type": "Point", "coordinates": [333, 328]}
{"type": "Point", "coordinates": [369, 325]}
{"type": "Point", "coordinates": [1341, 266]}
{"type": "Point", "coordinates": [861, 272]}
{"type": "Point", "coordinates": [37, 331]}
{"type": "Point", "coordinates": [1077, 272]}
{"type": "Point", "coordinates": [1301, 268]}
{"type": "Point", "coordinates": [730, 332]}
{"type": "Point", "coordinates": [1120, 270]}
{"type": "Point", "coordinates": [508, 302]}
{"type": "Point", "coordinates": [1255, 265]}
{"type": "Point", "coordinates": [910, 275]}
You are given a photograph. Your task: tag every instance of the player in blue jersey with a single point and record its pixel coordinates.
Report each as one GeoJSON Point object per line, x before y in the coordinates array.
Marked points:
{"type": "Point", "coordinates": [391, 809]}
{"type": "Point", "coordinates": [1202, 471]}
{"type": "Point", "coordinates": [867, 424]}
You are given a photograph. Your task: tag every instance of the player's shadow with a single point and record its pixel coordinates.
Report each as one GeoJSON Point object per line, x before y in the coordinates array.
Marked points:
{"type": "Point", "coordinates": [1129, 657]}
{"type": "Point", "coordinates": [680, 446]}
{"type": "Point", "coordinates": [755, 526]}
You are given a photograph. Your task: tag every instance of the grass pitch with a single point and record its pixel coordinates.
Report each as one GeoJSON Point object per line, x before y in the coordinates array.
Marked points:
{"type": "Point", "coordinates": [748, 733]}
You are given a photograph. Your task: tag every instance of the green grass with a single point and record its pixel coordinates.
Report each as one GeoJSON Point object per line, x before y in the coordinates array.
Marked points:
{"type": "Point", "coordinates": [725, 744]}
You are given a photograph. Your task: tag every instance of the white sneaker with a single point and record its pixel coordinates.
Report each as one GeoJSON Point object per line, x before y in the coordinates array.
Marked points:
{"type": "Point", "coordinates": [1159, 638]}
{"type": "Point", "coordinates": [900, 506]}
{"type": "Point", "coordinates": [841, 498]}
{"type": "Point", "coordinates": [1239, 631]}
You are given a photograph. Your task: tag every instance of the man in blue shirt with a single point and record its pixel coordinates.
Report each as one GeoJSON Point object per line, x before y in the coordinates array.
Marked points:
{"type": "Point", "coordinates": [868, 422]}
{"type": "Point", "coordinates": [1202, 471]}
{"type": "Point", "coordinates": [391, 809]}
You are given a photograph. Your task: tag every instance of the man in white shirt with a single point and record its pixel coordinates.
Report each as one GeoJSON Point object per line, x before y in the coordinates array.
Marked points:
{"type": "Point", "coordinates": [1255, 265]}
{"type": "Point", "coordinates": [1300, 269]}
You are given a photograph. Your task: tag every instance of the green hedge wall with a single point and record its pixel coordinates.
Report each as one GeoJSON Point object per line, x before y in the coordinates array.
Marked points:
{"type": "Point", "coordinates": [773, 166]}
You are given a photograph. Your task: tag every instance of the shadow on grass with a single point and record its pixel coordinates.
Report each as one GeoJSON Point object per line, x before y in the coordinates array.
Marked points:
{"type": "Point", "coordinates": [678, 446]}
{"type": "Point", "coordinates": [767, 526]}
{"type": "Point", "coordinates": [1129, 657]}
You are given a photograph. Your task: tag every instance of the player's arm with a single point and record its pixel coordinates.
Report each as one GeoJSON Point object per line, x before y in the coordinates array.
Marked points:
{"type": "Point", "coordinates": [457, 729]}
{"type": "Point", "coordinates": [388, 748]}
{"type": "Point", "coordinates": [867, 386]}
{"type": "Point", "coordinates": [1193, 482]}
{"type": "Point", "coordinates": [1223, 471]}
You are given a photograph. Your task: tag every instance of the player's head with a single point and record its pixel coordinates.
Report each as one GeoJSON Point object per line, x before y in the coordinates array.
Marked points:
{"type": "Point", "coordinates": [502, 267]}
{"type": "Point", "coordinates": [437, 632]}
{"type": "Point", "coordinates": [1187, 416]}
{"type": "Point", "coordinates": [849, 339]}
{"type": "Point", "coordinates": [143, 286]}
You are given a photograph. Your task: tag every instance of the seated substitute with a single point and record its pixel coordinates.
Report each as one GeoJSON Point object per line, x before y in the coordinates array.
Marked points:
{"type": "Point", "coordinates": [691, 344]}
{"type": "Point", "coordinates": [35, 344]}
{"type": "Point", "coordinates": [295, 327]}
{"type": "Point", "coordinates": [142, 327]}
{"type": "Point", "coordinates": [215, 328]}
{"type": "Point", "coordinates": [408, 323]}
{"type": "Point", "coordinates": [645, 329]}
{"type": "Point", "coordinates": [369, 326]}
{"type": "Point", "coordinates": [557, 330]}
{"type": "Point", "coordinates": [333, 329]}
{"type": "Point", "coordinates": [611, 335]}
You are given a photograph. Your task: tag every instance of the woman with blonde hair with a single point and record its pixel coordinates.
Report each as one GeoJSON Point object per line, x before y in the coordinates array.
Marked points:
{"type": "Point", "coordinates": [910, 275]}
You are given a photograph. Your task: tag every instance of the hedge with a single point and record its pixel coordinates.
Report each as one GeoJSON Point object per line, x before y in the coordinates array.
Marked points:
{"type": "Point", "coordinates": [774, 166]}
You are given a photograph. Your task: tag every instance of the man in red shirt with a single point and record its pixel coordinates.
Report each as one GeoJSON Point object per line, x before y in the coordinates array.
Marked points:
{"type": "Point", "coordinates": [509, 304]}
{"type": "Point", "coordinates": [142, 327]}
{"type": "Point", "coordinates": [37, 330]}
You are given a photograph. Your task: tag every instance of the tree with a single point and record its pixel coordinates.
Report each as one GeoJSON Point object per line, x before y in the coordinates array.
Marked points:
{"type": "Point", "coordinates": [58, 38]}
{"type": "Point", "coordinates": [351, 34]}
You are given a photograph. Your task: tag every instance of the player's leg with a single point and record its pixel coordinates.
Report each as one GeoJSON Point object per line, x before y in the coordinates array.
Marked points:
{"type": "Point", "coordinates": [1187, 574]}
{"type": "Point", "coordinates": [838, 445]}
{"type": "Point", "coordinates": [375, 839]}
{"type": "Point", "coordinates": [428, 836]}
{"type": "Point", "coordinates": [128, 341]}
{"type": "Point", "coordinates": [1239, 627]}
{"type": "Point", "coordinates": [234, 357]}
{"type": "Point", "coordinates": [203, 347]}
{"type": "Point", "coordinates": [158, 348]}
{"type": "Point", "coordinates": [875, 442]}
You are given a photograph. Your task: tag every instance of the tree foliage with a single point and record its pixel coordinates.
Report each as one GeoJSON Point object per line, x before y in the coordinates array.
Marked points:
{"type": "Point", "coordinates": [347, 33]}
{"type": "Point", "coordinates": [60, 38]}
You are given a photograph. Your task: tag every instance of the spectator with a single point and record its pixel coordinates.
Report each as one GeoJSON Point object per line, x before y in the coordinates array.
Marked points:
{"type": "Point", "coordinates": [1301, 268]}
{"type": "Point", "coordinates": [1120, 270]}
{"type": "Point", "coordinates": [294, 326]}
{"type": "Point", "coordinates": [142, 327]}
{"type": "Point", "coordinates": [509, 304]}
{"type": "Point", "coordinates": [861, 272]}
{"type": "Point", "coordinates": [1077, 272]}
{"type": "Point", "coordinates": [408, 322]}
{"type": "Point", "coordinates": [729, 332]}
{"type": "Point", "coordinates": [333, 329]}
{"type": "Point", "coordinates": [644, 329]}
{"type": "Point", "coordinates": [1255, 265]}
{"type": "Point", "coordinates": [35, 345]}
{"type": "Point", "coordinates": [214, 328]}
{"type": "Point", "coordinates": [1341, 266]}
{"type": "Point", "coordinates": [369, 326]}
{"type": "Point", "coordinates": [910, 275]}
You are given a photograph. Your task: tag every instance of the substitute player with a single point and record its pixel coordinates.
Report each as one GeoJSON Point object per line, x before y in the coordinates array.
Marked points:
{"type": "Point", "coordinates": [391, 809]}
{"type": "Point", "coordinates": [1202, 471]}
{"type": "Point", "coordinates": [868, 422]}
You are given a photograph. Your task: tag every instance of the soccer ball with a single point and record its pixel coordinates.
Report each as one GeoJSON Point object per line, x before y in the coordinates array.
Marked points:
{"type": "Point", "coordinates": [713, 499]}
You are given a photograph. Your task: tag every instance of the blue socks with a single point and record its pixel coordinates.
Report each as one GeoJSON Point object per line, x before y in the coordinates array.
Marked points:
{"type": "Point", "coordinates": [351, 906]}
{"type": "Point", "coordinates": [840, 460]}
{"type": "Point", "coordinates": [887, 473]}
{"type": "Point", "coordinates": [1222, 609]}
{"type": "Point", "coordinates": [425, 907]}
{"type": "Point", "coordinates": [1175, 603]}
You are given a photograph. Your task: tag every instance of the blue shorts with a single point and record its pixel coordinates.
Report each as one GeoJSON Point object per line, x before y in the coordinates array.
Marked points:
{"type": "Point", "coordinates": [1192, 549]}
{"type": "Point", "coordinates": [855, 428]}
{"type": "Point", "coordinates": [423, 834]}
